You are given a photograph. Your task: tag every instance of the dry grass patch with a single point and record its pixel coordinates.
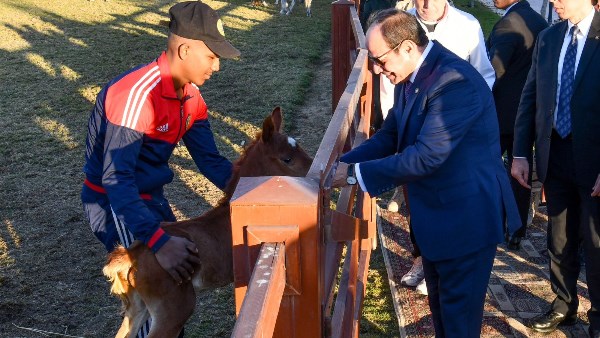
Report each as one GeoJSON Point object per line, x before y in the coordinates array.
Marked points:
{"type": "Point", "coordinates": [55, 55]}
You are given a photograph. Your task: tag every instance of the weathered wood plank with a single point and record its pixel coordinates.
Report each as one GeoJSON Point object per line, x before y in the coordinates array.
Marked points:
{"type": "Point", "coordinates": [258, 314]}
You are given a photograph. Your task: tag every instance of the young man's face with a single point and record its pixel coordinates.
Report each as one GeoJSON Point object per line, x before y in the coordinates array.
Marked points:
{"type": "Point", "coordinates": [392, 62]}
{"type": "Point", "coordinates": [200, 63]}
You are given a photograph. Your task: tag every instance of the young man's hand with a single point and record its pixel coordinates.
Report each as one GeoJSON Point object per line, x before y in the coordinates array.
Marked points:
{"type": "Point", "coordinates": [178, 257]}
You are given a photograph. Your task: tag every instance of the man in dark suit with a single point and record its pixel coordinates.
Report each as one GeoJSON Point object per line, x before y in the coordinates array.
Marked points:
{"type": "Point", "coordinates": [441, 139]}
{"type": "Point", "coordinates": [510, 46]}
{"type": "Point", "coordinates": [560, 112]}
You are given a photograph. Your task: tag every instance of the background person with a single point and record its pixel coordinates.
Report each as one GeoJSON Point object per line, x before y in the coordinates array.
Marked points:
{"type": "Point", "coordinates": [560, 112]}
{"type": "Point", "coordinates": [510, 45]}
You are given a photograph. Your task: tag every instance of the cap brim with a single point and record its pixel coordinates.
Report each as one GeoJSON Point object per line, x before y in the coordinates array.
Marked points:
{"type": "Point", "coordinates": [223, 49]}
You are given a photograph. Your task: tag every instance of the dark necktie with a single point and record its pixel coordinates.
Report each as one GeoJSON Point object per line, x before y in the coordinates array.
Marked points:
{"type": "Point", "coordinates": [563, 114]}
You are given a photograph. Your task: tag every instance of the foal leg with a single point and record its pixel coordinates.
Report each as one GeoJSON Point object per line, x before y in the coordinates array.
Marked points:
{"type": "Point", "coordinates": [170, 311]}
{"type": "Point", "coordinates": [136, 314]}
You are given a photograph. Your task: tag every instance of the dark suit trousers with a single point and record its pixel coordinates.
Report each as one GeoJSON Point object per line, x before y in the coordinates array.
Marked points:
{"type": "Point", "coordinates": [457, 289]}
{"type": "Point", "coordinates": [522, 194]}
{"type": "Point", "coordinates": [574, 223]}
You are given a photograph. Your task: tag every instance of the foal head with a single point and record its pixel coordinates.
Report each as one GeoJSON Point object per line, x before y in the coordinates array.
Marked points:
{"type": "Point", "coordinates": [273, 153]}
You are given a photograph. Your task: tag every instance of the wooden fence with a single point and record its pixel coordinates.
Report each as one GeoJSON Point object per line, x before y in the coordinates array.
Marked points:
{"type": "Point", "coordinates": [288, 242]}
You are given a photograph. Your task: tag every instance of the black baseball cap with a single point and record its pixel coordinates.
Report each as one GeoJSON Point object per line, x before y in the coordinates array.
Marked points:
{"type": "Point", "coordinates": [197, 21]}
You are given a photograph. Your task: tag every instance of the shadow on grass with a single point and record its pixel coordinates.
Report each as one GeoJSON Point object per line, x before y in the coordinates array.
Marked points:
{"type": "Point", "coordinates": [63, 53]}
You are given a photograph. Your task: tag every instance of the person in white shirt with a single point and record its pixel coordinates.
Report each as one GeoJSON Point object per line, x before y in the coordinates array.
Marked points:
{"type": "Point", "coordinates": [461, 33]}
{"type": "Point", "coordinates": [456, 30]}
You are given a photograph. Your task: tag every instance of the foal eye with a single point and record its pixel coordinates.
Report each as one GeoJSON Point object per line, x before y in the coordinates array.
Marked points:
{"type": "Point", "coordinates": [287, 160]}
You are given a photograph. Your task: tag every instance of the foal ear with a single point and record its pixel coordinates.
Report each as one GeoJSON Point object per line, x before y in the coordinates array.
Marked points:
{"type": "Point", "coordinates": [272, 124]}
{"type": "Point", "coordinates": [268, 130]}
{"type": "Point", "coordinates": [277, 117]}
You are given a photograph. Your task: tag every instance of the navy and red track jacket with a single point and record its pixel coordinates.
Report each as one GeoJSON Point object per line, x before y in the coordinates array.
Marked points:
{"type": "Point", "coordinates": [132, 131]}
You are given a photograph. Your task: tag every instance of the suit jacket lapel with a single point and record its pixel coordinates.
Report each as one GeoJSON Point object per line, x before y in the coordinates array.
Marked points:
{"type": "Point", "coordinates": [423, 72]}
{"type": "Point", "coordinates": [591, 43]}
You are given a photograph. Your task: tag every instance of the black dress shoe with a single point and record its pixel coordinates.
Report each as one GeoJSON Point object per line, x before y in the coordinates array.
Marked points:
{"type": "Point", "coordinates": [514, 243]}
{"type": "Point", "coordinates": [550, 320]}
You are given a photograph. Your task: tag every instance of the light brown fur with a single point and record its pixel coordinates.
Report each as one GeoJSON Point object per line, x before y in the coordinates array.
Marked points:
{"type": "Point", "coordinates": [148, 290]}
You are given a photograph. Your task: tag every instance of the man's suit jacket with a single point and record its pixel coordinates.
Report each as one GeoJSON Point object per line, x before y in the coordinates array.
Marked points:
{"type": "Point", "coordinates": [445, 146]}
{"type": "Point", "coordinates": [535, 117]}
{"type": "Point", "coordinates": [510, 46]}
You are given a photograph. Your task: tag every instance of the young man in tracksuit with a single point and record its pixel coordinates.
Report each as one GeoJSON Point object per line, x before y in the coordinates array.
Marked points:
{"type": "Point", "coordinates": [138, 119]}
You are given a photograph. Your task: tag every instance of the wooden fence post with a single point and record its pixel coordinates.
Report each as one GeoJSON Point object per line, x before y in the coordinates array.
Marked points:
{"type": "Point", "coordinates": [280, 209]}
{"type": "Point", "coordinates": [342, 43]}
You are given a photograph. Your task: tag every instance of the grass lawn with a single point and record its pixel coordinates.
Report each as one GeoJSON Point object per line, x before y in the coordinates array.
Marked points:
{"type": "Point", "coordinates": [55, 56]}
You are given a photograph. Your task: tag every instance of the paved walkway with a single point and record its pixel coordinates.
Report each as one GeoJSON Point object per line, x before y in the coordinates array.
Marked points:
{"type": "Point", "coordinates": [518, 288]}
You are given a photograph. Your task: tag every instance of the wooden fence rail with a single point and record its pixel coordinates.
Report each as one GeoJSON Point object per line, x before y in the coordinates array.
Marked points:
{"type": "Point", "coordinates": [296, 213]}
{"type": "Point", "coordinates": [259, 311]}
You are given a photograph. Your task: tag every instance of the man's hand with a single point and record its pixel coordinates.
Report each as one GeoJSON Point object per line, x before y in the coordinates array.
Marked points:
{"type": "Point", "coordinates": [596, 188]}
{"type": "Point", "coordinates": [177, 256]}
{"type": "Point", "coordinates": [339, 178]}
{"type": "Point", "coordinates": [520, 171]}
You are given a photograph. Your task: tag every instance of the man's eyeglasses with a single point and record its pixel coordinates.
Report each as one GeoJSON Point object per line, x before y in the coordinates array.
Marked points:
{"type": "Point", "coordinates": [377, 59]}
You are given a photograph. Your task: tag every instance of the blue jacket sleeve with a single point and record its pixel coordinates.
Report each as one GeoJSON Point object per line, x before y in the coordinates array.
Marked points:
{"type": "Point", "coordinates": [452, 107]}
{"type": "Point", "coordinates": [200, 142]}
{"type": "Point", "coordinates": [121, 151]}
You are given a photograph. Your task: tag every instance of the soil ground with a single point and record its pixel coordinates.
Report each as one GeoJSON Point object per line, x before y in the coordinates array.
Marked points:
{"type": "Point", "coordinates": [55, 285]}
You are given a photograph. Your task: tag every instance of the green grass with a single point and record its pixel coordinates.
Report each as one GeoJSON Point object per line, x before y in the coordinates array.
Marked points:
{"type": "Point", "coordinates": [55, 56]}
{"type": "Point", "coordinates": [379, 317]}
{"type": "Point", "coordinates": [486, 17]}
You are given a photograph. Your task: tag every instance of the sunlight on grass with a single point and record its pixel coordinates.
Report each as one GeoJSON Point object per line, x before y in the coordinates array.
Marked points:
{"type": "Point", "coordinates": [89, 92]}
{"type": "Point", "coordinates": [41, 63]}
{"type": "Point", "coordinates": [8, 229]}
{"type": "Point", "coordinates": [68, 73]}
{"type": "Point", "coordinates": [237, 147]}
{"type": "Point", "coordinates": [182, 152]}
{"type": "Point", "coordinates": [136, 30]}
{"type": "Point", "coordinates": [20, 18]}
{"type": "Point", "coordinates": [197, 183]}
{"type": "Point", "coordinates": [239, 18]}
{"type": "Point", "coordinates": [247, 128]}
{"type": "Point", "coordinates": [14, 236]}
{"type": "Point", "coordinates": [77, 42]}
{"type": "Point", "coordinates": [57, 130]}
